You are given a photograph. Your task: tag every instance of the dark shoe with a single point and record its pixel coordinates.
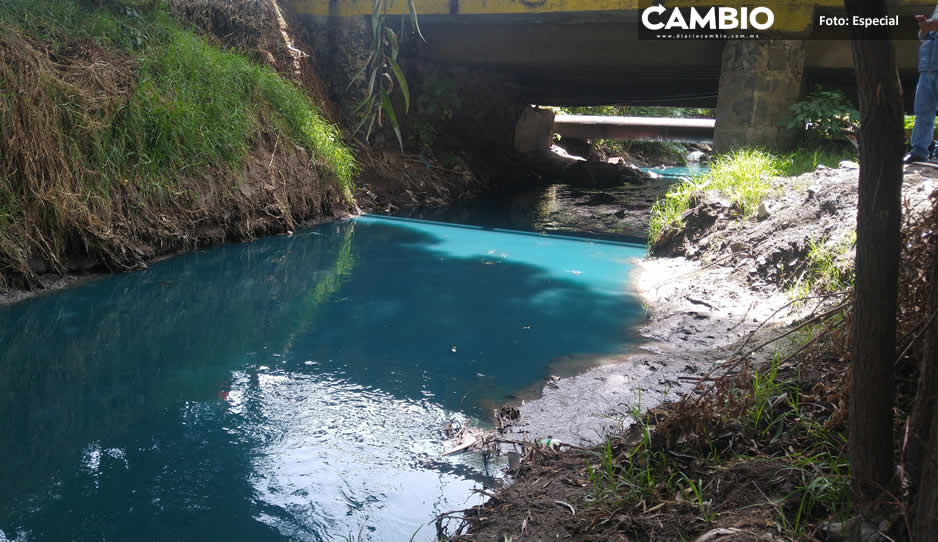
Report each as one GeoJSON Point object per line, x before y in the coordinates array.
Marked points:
{"type": "Point", "coordinates": [909, 158]}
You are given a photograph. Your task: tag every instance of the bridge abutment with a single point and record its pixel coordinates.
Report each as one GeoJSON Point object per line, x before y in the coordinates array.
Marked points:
{"type": "Point", "coordinates": [759, 81]}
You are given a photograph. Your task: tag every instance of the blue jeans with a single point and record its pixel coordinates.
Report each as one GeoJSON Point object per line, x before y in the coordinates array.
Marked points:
{"type": "Point", "coordinates": [926, 101]}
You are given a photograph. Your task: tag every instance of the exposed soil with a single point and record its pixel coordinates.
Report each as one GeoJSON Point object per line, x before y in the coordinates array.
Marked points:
{"type": "Point", "coordinates": [726, 282]}
{"type": "Point", "coordinates": [392, 180]}
{"type": "Point", "coordinates": [769, 253]}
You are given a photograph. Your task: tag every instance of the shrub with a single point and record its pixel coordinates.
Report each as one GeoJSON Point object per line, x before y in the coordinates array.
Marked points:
{"type": "Point", "coordinates": [823, 115]}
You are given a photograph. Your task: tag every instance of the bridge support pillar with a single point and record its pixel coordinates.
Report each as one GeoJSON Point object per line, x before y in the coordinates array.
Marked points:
{"type": "Point", "coordinates": [759, 81]}
{"type": "Point", "coordinates": [534, 130]}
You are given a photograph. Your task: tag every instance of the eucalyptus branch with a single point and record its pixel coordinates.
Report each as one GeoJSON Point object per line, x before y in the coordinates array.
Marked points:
{"type": "Point", "coordinates": [382, 74]}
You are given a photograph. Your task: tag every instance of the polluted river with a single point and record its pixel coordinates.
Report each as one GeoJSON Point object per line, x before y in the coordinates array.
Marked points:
{"type": "Point", "coordinates": [295, 387]}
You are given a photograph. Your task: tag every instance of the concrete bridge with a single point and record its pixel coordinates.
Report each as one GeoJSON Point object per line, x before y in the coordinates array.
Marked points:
{"type": "Point", "coordinates": [589, 52]}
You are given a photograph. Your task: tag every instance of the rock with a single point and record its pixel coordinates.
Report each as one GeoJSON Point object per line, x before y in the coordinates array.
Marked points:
{"type": "Point", "coordinates": [834, 530]}
{"type": "Point", "coordinates": [574, 146]}
{"type": "Point", "coordinates": [847, 164]}
{"type": "Point", "coordinates": [561, 152]}
{"type": "Point", "coordinates": [763, 211]}
{"type": "Point", "coordinates": [739, 246]}
{"type": "Point", "coordinates": [696, 156]}
{"type": "Point", "coordinates": [862, 531]}
{"type": "Point", "coordinates": [620, 213]}
{"type": "Point", "coordinates": [701, 217]}
{"type": "Point", "coordinates": [602, 175]}
{"type": "Point", "coordinates": [509, 413]}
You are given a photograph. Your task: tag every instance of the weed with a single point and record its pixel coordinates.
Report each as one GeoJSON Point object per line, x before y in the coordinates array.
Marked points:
{"type": "Point", "coordinates": [765, 388]}
{"type": "Point", "coordinates": [704, 506]}
{"type": "Point", "coordinates": [804, 160]}
{"type": "Point", "coordinates": [743, 176]}
{"type": "Point", "coordinates": [667, 213]}
{"type": "Point", "coordinates": [829, 267]}
{"type": "Point", "coordinates": [603, 476]}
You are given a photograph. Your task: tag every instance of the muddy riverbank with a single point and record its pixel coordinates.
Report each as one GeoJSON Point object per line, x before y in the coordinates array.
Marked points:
{"type": "Point", "coordinates": [719, 281]}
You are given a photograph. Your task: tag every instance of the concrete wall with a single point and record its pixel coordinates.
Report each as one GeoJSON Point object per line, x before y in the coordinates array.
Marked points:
{"type": "Point", "coordinates": [759, 81]}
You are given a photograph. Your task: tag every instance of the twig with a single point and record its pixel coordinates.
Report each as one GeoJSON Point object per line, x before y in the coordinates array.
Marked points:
{"type": "Point", "coordinates": [917, 336]}
{"type": "Point", "coordinates": [786, 305]}
{"type": "Point", "coordinates": [568, 505]}
{"type": "Point", "coordinates": [274, 152]}
{"type": "Point", "coordinates": [809, 343]}
{"type": "Point", "coordinates": [735, 359]}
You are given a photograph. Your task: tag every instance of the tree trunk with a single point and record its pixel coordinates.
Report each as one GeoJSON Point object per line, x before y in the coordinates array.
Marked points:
{"type": "Point", "coordinates": [872, 387]}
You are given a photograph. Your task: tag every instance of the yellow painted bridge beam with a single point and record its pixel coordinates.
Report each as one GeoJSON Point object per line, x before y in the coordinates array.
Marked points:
{"type": "Point", "coordinates": [790, 15]}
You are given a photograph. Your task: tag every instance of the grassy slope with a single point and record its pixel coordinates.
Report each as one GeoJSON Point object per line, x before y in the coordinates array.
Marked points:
{"type": "Point", "coordinates": [742, 176]}
{"type": "Point", "coordinates": [110, 113]}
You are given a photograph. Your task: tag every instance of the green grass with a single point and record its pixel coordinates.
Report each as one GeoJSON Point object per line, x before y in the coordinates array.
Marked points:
{"type": "Point", "coordinates": [742, 176]}
{"type": "Point", "coordinates": [164, 112]}
{"type": "Point", "coordinates": [52, 21]}
{"type": "Point", "coordinates": [667, 212]}
{"type": "Point", "coordinates": [829, 267]}
{"type": "Point", "coordinates": [195, 105]}
{"type": "Point", "coordinates": [805, 160]}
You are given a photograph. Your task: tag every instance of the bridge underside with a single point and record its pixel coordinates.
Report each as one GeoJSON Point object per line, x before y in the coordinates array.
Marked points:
{"type": "Point", "coordinates": [605, 63]}
{"type": "Point", "coordinates": [497, 63]}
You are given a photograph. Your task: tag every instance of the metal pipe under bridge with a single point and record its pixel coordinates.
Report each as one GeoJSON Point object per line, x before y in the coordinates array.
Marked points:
{"type": "Point", "coordinates": [634, 128]}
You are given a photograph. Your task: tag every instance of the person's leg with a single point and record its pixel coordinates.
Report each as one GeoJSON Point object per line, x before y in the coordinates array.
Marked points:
{"type": "Point", "coordinates": [925, 104]}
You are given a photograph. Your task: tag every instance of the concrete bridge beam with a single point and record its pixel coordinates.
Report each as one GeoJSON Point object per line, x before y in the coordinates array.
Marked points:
{"type": "Point", "coordinates": [759, 81]}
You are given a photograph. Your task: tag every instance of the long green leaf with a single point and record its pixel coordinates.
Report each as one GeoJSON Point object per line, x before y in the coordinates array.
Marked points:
{"type": "Point", "coordinates": [403, 84]}
{"type": "Point", "coordinates": [389, 110]}
{"type": "Point", "coordinates": [378, 25]}
{"type": "Point", "coordinates": [366, 112]}
{"type": "Point", "coordinates": [374, 16]}
{"type": "Point", "coordinates": [413, 17]}
{"type": "Point", "coordinates": [371, 83]}
{"type": "Point", "coordinates": [362, 104]}
{"type": "Point", "coordinates": [395, 44]}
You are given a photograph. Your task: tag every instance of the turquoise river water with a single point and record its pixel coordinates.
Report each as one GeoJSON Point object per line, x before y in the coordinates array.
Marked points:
{"type": "Point", "coordinates": [292, 388]}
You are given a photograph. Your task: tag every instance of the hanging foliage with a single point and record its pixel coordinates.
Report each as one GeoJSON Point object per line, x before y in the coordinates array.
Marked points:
{"type": "Point", "coordinates": [382, 74]}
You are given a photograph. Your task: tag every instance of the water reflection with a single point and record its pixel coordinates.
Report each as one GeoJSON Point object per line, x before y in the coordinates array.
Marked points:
{"type": "Point", "coordinates": [288, 389]}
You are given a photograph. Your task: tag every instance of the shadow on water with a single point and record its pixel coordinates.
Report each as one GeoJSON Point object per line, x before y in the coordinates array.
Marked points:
{"type": "Point", "coordinates": [287, 389]}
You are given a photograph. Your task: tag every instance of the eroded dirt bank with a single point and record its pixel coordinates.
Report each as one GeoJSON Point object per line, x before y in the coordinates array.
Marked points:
{"type": "Point", "coordinates": [722, 280]}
